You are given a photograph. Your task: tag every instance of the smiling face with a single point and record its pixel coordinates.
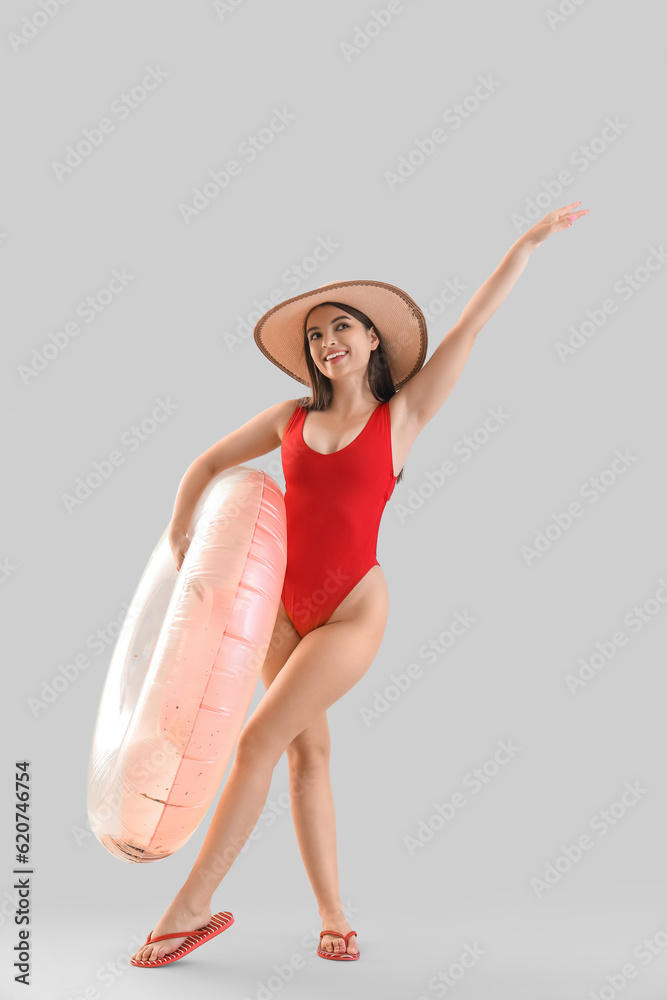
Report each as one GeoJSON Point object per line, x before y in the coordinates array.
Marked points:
{"type": "Point", "coordinates": [330, 330]}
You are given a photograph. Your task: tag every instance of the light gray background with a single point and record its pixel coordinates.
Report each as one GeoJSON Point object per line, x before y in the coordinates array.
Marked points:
{"type": "Point", "coordinates": [323, 178]}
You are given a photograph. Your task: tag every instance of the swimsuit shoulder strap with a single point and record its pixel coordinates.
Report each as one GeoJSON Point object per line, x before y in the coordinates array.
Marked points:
{"type": "Point", "coordinates": [293, 423]}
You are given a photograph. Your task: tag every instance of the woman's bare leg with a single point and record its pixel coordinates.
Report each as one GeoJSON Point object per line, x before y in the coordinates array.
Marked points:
{"type": "Point", "coordinates": [314, 816]}
{"type": "Point", "coordinates": [322, 667]}
{"type": "Point", "coordinates": [311, 798]}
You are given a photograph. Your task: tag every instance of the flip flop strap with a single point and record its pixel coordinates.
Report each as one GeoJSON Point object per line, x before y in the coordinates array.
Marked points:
{"type": "Point", "coordinates": [183, 934]}
{"type": "Point", "coordinates": [335, 934]}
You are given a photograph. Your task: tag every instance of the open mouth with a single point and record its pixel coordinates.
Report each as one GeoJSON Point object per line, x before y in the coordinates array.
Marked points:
{"type": "Point", "coordinates": [338, 357]}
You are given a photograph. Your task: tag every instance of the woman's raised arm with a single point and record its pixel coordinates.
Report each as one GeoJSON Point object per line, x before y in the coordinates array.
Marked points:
{"type": "Point", "coordinates": [426, 391]}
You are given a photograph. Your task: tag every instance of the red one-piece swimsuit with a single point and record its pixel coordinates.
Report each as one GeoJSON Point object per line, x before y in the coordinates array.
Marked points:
{"type": "Point", "coordinates": [334, 504]}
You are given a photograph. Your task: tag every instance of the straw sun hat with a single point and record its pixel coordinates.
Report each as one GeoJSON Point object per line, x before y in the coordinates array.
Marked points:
{"type": "Point", "coordinates": [401, 325]}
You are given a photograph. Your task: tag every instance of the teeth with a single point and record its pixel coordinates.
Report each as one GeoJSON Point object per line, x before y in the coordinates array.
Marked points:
{"type": "Point", "coordinates": [336, 355]}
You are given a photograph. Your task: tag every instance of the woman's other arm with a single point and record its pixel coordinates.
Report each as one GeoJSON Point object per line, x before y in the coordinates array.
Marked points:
{"type": "Point", "coordinates": [426, 391]}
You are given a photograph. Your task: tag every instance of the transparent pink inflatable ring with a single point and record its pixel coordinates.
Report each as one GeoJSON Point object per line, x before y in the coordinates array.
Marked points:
{"type": "Point", "coordinates": [184, 669]}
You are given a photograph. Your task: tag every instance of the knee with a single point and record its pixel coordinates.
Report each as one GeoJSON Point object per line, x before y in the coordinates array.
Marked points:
{"type": "Point", "coordinates": [307, 758]}
{"type": "Point", "coordinates": [252, 747]}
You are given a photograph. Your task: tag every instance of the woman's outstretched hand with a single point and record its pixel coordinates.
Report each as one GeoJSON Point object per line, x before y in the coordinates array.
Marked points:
{"type": "Point", "coordinates": [552, 223]}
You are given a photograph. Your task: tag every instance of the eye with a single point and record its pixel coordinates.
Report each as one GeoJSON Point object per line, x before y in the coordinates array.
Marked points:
{"type": "Point", "coordinates": [317, 334]}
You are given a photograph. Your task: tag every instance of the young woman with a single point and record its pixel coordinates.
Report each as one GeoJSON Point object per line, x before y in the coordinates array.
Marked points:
{"type": "Point", "coordinates": [343, 451]}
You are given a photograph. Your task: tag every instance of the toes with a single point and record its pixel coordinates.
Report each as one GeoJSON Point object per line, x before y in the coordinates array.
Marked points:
{"type": "Point", "coordinates": [148, 954]}
{"type": "Point", "coordinates": [336, 946]}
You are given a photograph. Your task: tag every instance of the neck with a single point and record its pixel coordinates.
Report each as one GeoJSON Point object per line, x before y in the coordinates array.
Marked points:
{"type": "Point", "coordinates": [352, 397]}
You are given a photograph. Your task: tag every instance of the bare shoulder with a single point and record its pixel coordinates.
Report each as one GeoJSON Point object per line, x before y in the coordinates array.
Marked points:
{"type": "Point", "coordinates": [258, 436]}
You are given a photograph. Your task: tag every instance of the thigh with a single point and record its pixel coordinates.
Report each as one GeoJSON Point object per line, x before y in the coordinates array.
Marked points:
{"type": "Point", "coordinates": [284, 640]}
{"type": "Point", "coordinates": [316, 736]}
{"type": "Point", "coordinates": [369, 596]}
{"type": "Point", "coordinates": [321, 668]}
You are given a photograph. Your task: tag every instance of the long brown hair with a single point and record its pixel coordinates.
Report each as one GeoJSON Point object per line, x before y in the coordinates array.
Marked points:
{"type": "Point", "coordinates": [378, 373]}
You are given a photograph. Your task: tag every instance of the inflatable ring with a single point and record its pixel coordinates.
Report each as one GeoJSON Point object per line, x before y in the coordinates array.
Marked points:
{"type": "Point", "coordinates": [184, 669]}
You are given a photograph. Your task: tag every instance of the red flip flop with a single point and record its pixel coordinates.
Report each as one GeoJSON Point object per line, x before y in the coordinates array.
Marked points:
{"type": "Point", "coordinates": [343, 955]}
{"type": "Point", "coordinates": [218, 923]}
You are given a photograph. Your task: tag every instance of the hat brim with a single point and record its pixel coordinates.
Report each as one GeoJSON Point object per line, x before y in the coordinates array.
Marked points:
{"type": "Point", "coordinates": [399, 321]}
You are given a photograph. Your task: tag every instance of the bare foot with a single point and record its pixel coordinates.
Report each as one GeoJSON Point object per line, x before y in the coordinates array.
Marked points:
{"type": "Point", "coordinates": [177, 917]}
{"type": "Point", "coordinates": [336, 945]}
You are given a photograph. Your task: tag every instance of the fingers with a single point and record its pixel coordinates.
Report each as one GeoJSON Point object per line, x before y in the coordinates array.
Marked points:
{"type": "Point", "coordinates": [567, 212]}
{"type": "Point", "coordinates": [573, 216]}
{"type": "Point", "coordinates": [560, 212]}
{"type": "Point", "coordinates": [563, 218]}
